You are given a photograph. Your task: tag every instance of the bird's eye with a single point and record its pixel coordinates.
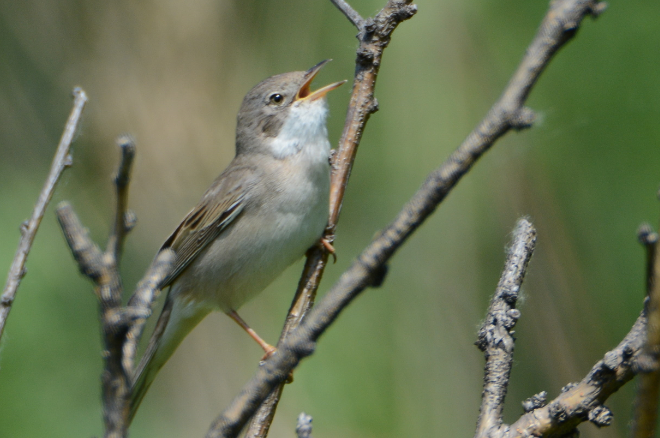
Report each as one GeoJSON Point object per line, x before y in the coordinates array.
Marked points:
{"type": "Point", "coordinates": [276, 98]}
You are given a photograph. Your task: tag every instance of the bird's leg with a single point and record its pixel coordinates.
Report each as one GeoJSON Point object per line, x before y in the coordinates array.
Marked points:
{"type": "Point", "coordinates": [269, 349]}
{"type": "Point", "coordinates": [328, 246]}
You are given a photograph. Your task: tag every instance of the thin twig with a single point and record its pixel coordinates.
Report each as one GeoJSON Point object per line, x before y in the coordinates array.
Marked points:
{"type": "Point", "coordinates": [559, 25]}
{"type": "Point", "coordinates": [495, 336]}
{"type": "Point", "coordinates": [373, 36]}
{"type": "Point", "coordinates": [141, 304]}
{"type": "Point", "coordinates": [124, 219]}
{"type": "Point", "coordinates": [352, 15]}
{"type": "Point", "coordinates": [648, 239]}
{"type": "Point", "coordinates": [61, 161]}
{"type": "Point", "coordinates": [86, 253]}
{"type": "Point", "coordinates": [115, 319]}
{"type": "Point", "coordinates": [646, 403]}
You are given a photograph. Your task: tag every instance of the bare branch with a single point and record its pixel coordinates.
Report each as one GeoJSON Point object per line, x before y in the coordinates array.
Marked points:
{"type": "Point", "coordinates": [646, 404]}
{"type": "Point", "coordinates": [495, 336]}
{"type": "Point", "coordinates": [559, 25]}
{"type": "Point", "coordinates": [350, 13]}
{"type": "Point", "coordinates": [583, 401]}
{"type": "Point", "coordinates": [301, 305]}
{"type": "Point", "coordinates": [374, 35]}
{"type": "Point", "coordinates": [124, 220]}
{"type": "Point", "coordinates": [86, 253]}
{"type": "Point", "coordinates": [648, 238]}
{"type": "Point", "coordinates": [121, 326]}
{"type": "Point", "coordinates": [141, 303]}
{"type": "Point", "coordinates": [102, 269]}
{"type": "Point", "coordinates": [61, 161]}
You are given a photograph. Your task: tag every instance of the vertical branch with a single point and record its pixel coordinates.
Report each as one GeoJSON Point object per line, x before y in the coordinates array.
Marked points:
{"type": "Point", "coordinates": [646, 404]}
{"type": "Point", "coordinates": [114, 322]}
{"type": "Point", "coordinates": [99, 268]}
{"type": "Point", "coordinates": [121, 327]}
{"type": "Point", "coordinates": [61, 161]}
{"type": "Point", "coordinates": [496, 335]}
{"type": "Point", "coordinates": [124, 218]}
{"type": "Point", "coordinates": [374, 36]}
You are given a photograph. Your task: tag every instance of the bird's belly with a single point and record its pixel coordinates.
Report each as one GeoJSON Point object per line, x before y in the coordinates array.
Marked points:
{"type": "Point", "coordinates": [255, 249]}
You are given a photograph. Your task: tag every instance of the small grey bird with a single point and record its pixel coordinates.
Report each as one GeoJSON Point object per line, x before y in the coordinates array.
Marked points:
{"type": "Point", "coordinates": [258, 217]}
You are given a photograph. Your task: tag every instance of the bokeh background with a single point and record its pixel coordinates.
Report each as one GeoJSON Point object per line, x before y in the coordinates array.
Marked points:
{"type": "Point", "coordinates": [400, 360]}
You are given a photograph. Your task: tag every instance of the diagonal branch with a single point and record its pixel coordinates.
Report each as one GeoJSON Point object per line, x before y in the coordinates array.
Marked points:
{"type": "Point", "coordinates": [579, 402]}
{"type": "Point", "coordinates": [142, 301]}
{"type": "Point", "coordinates": [496, 335]}
{"type": "Point", "coordinates": [559, 25]}
{"type": "Point", "coordinates": [374, 35]}
{"type": "Point", "coordinates": [61, 161]}
{"type": "Point", "coordinates": [352, 15]}
{"type": "Point", "coordinates": [86, 253]}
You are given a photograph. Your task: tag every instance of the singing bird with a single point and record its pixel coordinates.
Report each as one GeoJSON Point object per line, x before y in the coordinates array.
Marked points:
{"type": "Point", "coordinates": [258, 217]}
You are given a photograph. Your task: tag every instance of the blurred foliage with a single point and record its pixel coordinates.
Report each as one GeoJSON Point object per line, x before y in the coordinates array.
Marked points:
{"type": "Point", "coordinates": [400, 361]}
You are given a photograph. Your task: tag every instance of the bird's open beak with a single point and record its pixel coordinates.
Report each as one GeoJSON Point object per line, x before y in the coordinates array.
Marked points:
{"type": "Point", "coordinates": [305, 93]}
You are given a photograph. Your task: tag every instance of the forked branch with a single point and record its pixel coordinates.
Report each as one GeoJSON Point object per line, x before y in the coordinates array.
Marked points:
{"type": "Point", "coordinates": [374, 35]}
{"type": "Point", "coordinates": [559, 26]}
{"type": "Point", "coordinates": [121, 326]}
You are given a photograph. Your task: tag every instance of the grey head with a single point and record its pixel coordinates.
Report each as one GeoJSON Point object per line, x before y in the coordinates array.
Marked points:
{"type": "Point", "coordinates": [267, 106]}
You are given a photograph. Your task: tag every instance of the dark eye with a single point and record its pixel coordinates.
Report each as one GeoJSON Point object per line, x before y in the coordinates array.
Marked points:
{"type": "Point", "coordinates": [276, 98]}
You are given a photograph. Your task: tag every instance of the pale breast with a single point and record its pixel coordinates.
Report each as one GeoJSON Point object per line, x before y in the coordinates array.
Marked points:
{"type": "Point", "coordinates": [285, 215]}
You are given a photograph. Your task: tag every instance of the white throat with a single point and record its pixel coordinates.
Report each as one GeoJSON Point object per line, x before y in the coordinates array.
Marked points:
{"type": "Point", "coordinates": [304, 130]}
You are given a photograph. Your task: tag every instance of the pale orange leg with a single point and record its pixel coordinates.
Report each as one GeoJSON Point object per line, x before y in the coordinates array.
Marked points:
{"type": "Point", "coordinates": [325, 244]}
{"type": "Point", "coordinates": [269, 349]}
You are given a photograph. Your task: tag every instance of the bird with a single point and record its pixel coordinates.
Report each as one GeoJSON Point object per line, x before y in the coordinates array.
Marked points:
{"type": "Point", "coordinates": [260, 215]}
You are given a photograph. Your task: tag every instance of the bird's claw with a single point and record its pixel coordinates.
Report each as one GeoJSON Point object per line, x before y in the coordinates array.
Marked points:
{"type": "Point", "coordinates": [327, 246]}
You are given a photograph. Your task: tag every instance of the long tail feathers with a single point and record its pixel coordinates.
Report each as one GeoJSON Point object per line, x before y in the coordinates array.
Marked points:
{"type": "Point", "coordinates": [175, 322]}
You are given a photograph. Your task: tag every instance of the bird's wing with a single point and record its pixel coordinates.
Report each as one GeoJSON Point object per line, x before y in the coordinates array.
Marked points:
{"type": "Point", "coordinates": [221, 204]}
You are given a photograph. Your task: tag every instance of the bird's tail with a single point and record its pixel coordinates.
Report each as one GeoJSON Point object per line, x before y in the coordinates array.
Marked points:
{"type": "Point", "coordinates": [176, 320]}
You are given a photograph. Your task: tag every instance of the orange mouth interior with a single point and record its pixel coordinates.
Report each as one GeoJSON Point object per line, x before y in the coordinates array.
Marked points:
{"type": "Point", "coordinates": [306, 93]}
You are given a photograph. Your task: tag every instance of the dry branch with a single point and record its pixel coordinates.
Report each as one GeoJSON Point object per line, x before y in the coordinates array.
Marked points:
{"type": "Point", "coordinates": [646, 404]}
{"type": "Point", "coordinates": [558, 27]}
{"type": "Point", "coordinates": [121, 327]}
{"type": "Point", "coordinates": [373, 35]}
{"type": "Point", "coordinates": [495, 336]}
{"type": "Point", "coordinates": [583, 401]}
{"type": "Point", "coordinates": [61, 161]}
{"type": "Point", "coordinates": [578, 402]}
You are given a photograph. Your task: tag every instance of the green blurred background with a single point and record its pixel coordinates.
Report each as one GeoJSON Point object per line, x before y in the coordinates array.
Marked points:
{"type": "Point", "coordinates": [400, 360]}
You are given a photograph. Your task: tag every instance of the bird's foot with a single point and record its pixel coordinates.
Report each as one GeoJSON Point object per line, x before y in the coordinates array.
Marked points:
{"type": "Point", "coordinates": [269, 351]}
{"type": "Point", "coordinates": [272, 350]}
{"type": "Point", "coordinates": [327, 246]}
